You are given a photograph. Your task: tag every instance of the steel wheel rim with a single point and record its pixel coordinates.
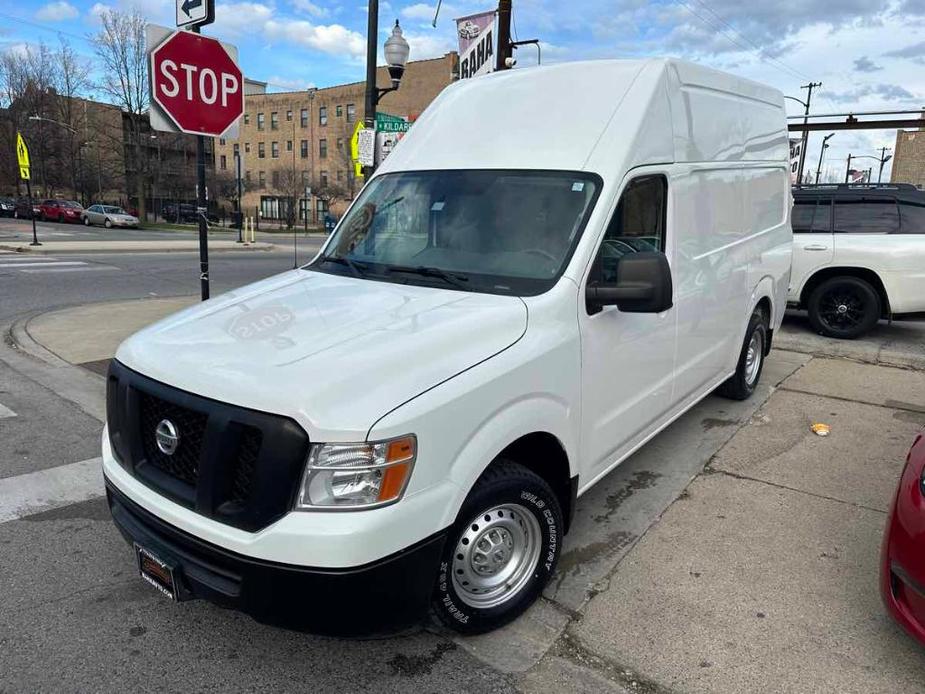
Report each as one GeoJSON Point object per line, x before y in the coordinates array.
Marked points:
{"type": "Point", "coordinates": [841, 309]}
{"type": "Point", "coordinates": [496, 555]}
{"type": "Point", "coordinates": [753, 356]}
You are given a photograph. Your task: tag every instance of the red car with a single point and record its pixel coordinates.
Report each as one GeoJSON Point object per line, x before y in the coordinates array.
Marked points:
{"type": "Point", "coordinates": [902, 571]}
{"type": "Point", "coordinates": [60, 211]}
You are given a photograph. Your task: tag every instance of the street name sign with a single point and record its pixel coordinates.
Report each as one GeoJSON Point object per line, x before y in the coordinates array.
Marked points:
{"type": "Point", "coordinates": [22, 156]}
{"type": "Point", "coordinates": [197, 84]}
{"type": "Point", "coordinates": [196, 13]}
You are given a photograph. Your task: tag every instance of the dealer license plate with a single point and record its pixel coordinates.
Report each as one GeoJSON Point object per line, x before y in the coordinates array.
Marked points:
{"type": "Point", "coordinates": [157, 572]}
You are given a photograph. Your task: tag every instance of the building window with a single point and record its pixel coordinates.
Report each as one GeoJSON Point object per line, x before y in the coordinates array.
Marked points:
{"type": "Point", "coordinates": [221, 141]}
{"type": "Point", "coordinates": [351, 113]}
{"type": "Point", "coordinates": [247, 119]}
{"type": "Point", "coordinates": [236, 148]}
{"type": "Point", "coordinates": [288, 116]}
{"type": "Point", "coordinates": [274, 150]}
{"type": "Point", "coordinates": [323, 179]}
{"type": "Point", "coordinates": [303, 118]}
{"type": "Point", "coordinates": [323, 115]}
{"type": "Point", "coordinates": [288, 145]}
{"type": "Point", "coordinates": [303, 149]}
{"type": "Point", "coordinates": [261, 150]}
{"type": "Point", "coordinates": [274, 121]}
{"type": "Point", "coordinates": [340, 145]}
{"type": "Point", "coordinates": [321, 206]}
{"type": "Point", "coordinates": [340, 110]}
{"type": "Point", "coordinates": [222, 162]}
{"type": "Point", "coordinates": [303, 208]}
{"type": "Point", "coordinates": [273, 207]}
{"type": "Point", "coordinates": [247, 147]}
{"type": "Point", "coordinates": [323, 148]}
{"type": "Point", "coordinates": [275, 179]}
{"type": "Point", "coordinates": [259, 121]}
{"type": "Point", "coordinates": [262, 179]}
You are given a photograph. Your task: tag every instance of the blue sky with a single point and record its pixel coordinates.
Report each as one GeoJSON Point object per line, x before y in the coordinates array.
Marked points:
{"type": "Point", "coordinates": [868, 53]}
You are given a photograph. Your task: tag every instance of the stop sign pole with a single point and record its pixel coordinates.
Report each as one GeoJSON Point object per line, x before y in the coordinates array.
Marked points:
{"type": "Point", "coordinates": [196, 88]}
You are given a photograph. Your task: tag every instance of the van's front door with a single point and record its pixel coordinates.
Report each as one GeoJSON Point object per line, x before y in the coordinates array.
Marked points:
{"type": "Point", "coordinates": [627, 359]}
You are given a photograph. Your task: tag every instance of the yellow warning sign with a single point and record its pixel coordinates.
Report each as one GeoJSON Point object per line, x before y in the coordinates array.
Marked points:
{"type": "Point", "coordinates": [24, 173]}
{"type": "Point", "coordinates": [355, 149]}
{"type": "Point", "coordinates": [22, 153]}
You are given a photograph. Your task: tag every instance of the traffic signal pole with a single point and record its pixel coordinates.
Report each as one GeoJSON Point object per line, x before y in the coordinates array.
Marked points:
{"type": "Point", "coordinates": [504, 35]}
{"type": "Point", "coordinates": [809, 98]}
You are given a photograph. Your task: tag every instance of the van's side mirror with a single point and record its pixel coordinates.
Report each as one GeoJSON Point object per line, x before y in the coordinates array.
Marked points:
{"type": "Point", "coordinates": [643, 285]}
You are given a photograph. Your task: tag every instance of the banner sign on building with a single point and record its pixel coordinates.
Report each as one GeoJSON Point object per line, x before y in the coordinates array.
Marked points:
{"type": "Point", "coordinates": [796, 149]}
{"type": "Point", "coordinates": [476, 44]}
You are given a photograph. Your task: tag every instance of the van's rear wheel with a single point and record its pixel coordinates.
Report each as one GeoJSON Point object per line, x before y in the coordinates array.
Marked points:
{"type": "Point", "coordinates": [742, 383]}
{"type": "Point", "coordinates": [844, 307]}
{"type": "Point", "coordinates": [501, 551]}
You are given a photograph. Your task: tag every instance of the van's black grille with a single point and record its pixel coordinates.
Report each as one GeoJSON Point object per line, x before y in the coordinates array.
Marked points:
{"type": "Point", "coordinates": [236, 465]}
{"type": "Point", "coordinates": [191, 427]}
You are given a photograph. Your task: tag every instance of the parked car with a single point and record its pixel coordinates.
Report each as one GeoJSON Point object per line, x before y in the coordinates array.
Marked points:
{"type": "Point", "coordinates": [7, 205]}
{"type": "Point", "coordinates": [61, 211]}
{"type": "Point", "coordinates": [858, 255]}
{"type": "Point", "coordinates": [24, 210]}
{"type": "Point", "coordinates": [187, 214]}
{"type": "Point", "coordinates": [902, 566]}
{"type": "Point", "coordinates": [465, 357]}
{"type": "Point", "coordinates": [109, 216]}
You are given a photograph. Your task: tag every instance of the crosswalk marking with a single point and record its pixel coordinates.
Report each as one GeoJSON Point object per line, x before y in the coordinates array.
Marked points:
{"type": "Point", "coordinates": [43, 263]}
{"type": "Point", "coordinates": [97, 268]}
{"type": "Point", "coordinates": [43, 490]}
{"type": "Point", "coordinates": [6, 412]}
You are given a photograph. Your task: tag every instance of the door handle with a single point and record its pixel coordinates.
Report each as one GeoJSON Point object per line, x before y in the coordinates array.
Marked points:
{"type": "Point", "coordinates": [815, 247]}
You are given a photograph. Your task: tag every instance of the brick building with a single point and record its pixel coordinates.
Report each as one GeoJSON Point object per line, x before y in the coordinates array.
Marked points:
{"type": "Point", "coordinates": [909, 158]}
{"type": "Point", "coordinates": [293, 140]}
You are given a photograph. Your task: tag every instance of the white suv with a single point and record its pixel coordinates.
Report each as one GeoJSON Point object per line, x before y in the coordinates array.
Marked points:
{"type": "Point", "coordinates": [858, 255]}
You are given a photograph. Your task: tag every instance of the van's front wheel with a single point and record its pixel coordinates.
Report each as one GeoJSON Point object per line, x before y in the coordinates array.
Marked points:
{"type": "Point", "coordinates": [742, 383]}
{"type": "Point", "coordinates": [501, 551]}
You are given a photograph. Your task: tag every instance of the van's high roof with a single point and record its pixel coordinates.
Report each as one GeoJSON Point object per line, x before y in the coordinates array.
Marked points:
{"type": "Point", "coordinates": [604, 116]}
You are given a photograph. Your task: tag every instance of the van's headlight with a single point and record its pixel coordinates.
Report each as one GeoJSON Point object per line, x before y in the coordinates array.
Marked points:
{"type": "Point", "coordinates": [356, 475]}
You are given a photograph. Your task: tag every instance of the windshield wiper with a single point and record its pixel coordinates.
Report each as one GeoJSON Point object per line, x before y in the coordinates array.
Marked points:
{"type": "Point", "coordinates": [449, 277]}
{"type": "Point", "coordinates": [356, 268]}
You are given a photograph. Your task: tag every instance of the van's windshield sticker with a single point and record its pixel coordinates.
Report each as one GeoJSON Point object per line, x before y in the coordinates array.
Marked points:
{"type": "Point", "coordinates": [578, 186]}
{"type": "Point", "coordinates": [437, 206]}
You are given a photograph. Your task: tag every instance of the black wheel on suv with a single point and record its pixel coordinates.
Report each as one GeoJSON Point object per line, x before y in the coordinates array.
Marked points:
{"type": "Point", "coordinates": [501, 551]}
{"type": "Point", "coordinates": [741, 384]}
{"type": "Point", "coordinates": [844, 307]}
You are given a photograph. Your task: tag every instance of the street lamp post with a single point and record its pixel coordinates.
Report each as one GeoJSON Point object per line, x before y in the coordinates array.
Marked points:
{"type": "Point", "coordinates": [239, 213]}
{"type": "Point", "coordinates": [825, 146]}
{"type": "Point", "coordinates": [866, 156]}
{"type": "Point", "coordinates": [397, 51]}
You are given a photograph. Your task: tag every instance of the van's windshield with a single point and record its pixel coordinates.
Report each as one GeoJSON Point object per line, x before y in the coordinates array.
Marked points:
{"type": "Point", "coordinates": [509, 232]}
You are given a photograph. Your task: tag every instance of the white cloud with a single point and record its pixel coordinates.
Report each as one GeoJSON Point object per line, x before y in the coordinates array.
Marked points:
{"type": "Point", "coordinates": [59, 11]}
{"type": "Point", "coordinates": [422, 11]}
{"type": "Point", "coordinates": [289, 84]}
{"type": "Point", "coordinates": [309, 7]}
{"type": "Point", "coordinates": [242, 18]}
{"type": "Point", "coordinates": [328, 38]}
{"type": "Point", "coordinates": [427, 45]}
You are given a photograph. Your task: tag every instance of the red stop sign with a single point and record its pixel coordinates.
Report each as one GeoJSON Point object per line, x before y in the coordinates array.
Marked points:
{"type": "Point", "coordinates": [197, 83]}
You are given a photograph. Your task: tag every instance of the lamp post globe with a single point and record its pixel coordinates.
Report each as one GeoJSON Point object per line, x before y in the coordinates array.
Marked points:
{"type": "Point", "coordinates": [397, 51]}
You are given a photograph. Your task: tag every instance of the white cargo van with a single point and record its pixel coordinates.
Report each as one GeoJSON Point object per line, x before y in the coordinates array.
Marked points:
{"type": "Point", "coordinates": [552, 266]}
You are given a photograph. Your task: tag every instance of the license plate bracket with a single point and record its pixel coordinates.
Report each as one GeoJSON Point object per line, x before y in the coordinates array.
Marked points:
{"type": "Point", "coordinates": [157, 572]}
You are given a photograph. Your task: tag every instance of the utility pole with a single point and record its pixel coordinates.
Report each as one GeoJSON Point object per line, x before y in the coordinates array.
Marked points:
{"type": "Point", "coordinates": [825, 146]}
{"type": "Point", "coordinates": [504, 35]}
{"type": "Point", "coordinates": [884, 158]}
{"type": "Point", "coordinates": [848, 169]}
{"type": "Point", "coordinates": [809, 97]}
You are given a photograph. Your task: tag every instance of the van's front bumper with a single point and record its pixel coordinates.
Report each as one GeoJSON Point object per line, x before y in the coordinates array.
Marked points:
{"type": "Point", "coordinates": [381, 596]}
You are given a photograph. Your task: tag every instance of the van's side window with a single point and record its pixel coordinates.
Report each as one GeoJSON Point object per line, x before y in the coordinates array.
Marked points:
{"type": "Point", "coordinates": [913, 218]}
{"type": "Point", "coordinates": [867, 216]}
{"type": "Point", "coordinates": [638, 224]}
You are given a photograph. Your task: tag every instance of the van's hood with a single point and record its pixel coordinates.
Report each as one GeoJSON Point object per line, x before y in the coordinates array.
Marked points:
{"type": "Point", "coordinates": [335, 353]}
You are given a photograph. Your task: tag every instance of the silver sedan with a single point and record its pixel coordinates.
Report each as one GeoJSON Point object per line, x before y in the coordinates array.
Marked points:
{"type": "Point", "coordinates": [109, 216]}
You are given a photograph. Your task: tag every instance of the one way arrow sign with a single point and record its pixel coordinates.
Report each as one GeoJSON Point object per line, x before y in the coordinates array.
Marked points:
{"type": "Point", "coordinates": [192, 13]}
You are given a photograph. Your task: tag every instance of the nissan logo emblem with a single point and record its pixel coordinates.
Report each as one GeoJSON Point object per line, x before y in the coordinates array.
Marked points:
{"type": "Point", "coordinates": [167, 437]}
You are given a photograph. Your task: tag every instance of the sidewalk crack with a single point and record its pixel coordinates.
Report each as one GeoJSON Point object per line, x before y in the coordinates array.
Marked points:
{"type": "Point", "coordinates": [889, 405]}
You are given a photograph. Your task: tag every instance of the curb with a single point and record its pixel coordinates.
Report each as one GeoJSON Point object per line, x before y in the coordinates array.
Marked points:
{"type": "Point", "coordinates": [19, 338]}
{"type": "Point", "coordinates": [25, 248]}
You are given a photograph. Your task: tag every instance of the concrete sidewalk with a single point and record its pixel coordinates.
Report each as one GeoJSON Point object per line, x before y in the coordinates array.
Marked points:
{"type": "Point", "coordinates": [159, 246]}
{"type": "Point", "coordinates": [736, 552]}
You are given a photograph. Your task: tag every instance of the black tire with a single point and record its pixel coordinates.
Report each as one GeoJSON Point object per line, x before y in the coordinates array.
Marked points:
{"type": "Point", "coordinates": [15, 214]}
{"type": "Point", "coordinates": [86, 221]}
{"type": "Point", "coordinates": [107, 224]}
{"type": "Point", "coordinates": [844, 307]}
{"type": "Point", "coordinates": [517, 490]}
{"type": "Point", "coordinates": [742, 383]}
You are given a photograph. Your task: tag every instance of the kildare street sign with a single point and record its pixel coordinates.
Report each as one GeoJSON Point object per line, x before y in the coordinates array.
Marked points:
{"type": "Point", "coordinates": [196, 84]}
{"type": "Point", "coordinates": [192, 13]}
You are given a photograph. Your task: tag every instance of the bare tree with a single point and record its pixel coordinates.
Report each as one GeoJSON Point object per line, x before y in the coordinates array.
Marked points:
{"type": "Point", "coordinates": [72, 79]}
{"type": "Point", "coordinates": [331, 193]}
{"type": "Point", "coordinates": [289, 184]}
{"type": "Point", "coordinates": [120, 47]}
